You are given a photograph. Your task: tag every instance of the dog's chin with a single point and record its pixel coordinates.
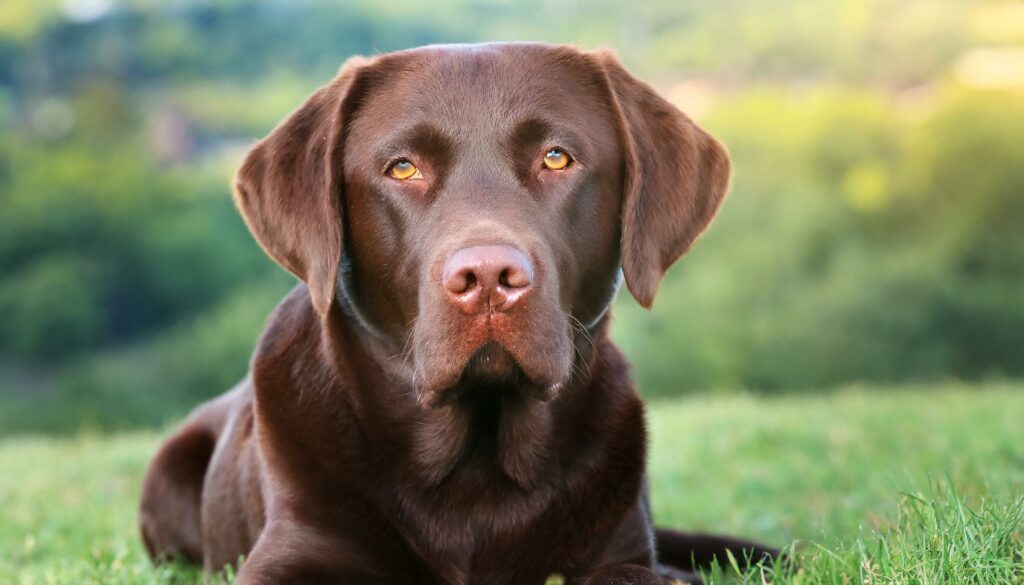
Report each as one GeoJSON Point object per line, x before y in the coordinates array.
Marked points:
{"type": "Point", "coordinates": [492, 371]}
{"type": "Point", "coordinates": [492, 365]}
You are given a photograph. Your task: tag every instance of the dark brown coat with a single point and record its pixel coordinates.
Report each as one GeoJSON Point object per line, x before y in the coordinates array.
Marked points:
{"type": "Point", "coordinates": [395, 428]}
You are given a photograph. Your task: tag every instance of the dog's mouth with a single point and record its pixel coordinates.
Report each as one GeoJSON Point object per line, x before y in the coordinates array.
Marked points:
{"type": "Point", "coordinates": [492, 370]}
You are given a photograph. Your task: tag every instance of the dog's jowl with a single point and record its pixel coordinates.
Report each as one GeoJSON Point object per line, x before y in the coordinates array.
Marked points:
{"type": "Point", "coordinates": [438, 400]}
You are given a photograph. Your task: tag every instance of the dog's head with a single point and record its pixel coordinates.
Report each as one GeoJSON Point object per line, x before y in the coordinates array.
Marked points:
{"type": "Point", "coordinates": [472, 206]}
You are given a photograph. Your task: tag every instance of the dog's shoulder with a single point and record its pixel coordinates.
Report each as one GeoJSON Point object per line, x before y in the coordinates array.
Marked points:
{"type": "Point", "coordinates": [291, 330]}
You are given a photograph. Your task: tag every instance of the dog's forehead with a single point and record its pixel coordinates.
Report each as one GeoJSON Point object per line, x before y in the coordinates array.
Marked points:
{"type": "Point", "coordinates": [487, 86]}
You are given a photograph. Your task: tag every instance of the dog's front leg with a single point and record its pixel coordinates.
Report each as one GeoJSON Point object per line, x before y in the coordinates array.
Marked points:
{"type": "Point", "coordinates": [292, 553]}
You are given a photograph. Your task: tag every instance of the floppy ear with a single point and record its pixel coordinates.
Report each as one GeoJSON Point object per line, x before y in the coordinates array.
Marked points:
{"type": "Point", "coordinates": [289, 187]}
{"type": "Point", "coordinates": [676, 176]}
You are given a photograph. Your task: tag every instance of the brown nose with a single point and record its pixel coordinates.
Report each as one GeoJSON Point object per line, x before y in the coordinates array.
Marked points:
{"type": "Point", "coordinates": [487, 278]}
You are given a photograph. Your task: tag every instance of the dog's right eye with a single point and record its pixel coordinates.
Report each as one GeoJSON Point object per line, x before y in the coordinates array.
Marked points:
{"type": "Point", "coordinates": [403, 170]}
{"type": "Point", "coordinates": [556, 159]}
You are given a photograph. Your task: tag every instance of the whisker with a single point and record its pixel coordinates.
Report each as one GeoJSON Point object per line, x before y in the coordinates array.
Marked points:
{"type": "Point", "coordinates": [576, 326]}
{"type": "Point", "coordinates": [407, 346]}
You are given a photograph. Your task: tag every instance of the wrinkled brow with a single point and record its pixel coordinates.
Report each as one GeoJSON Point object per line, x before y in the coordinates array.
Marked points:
{"type": "Point", "coordinates": [538, 132]}
{"type": "Point", "coordinates": [529, 136]}
{"type": "Point", "coordinates": [423, 139]}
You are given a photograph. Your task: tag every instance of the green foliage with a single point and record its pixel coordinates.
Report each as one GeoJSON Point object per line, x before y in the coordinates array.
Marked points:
{"type": "Point", "coordinates": [44, 318]}
{"type": "Point", "coordinates": [150, 381]}
{"type": "Point", "coordinates": [859, 243]}
{"type": "Point", "coordinates": [824, 471]}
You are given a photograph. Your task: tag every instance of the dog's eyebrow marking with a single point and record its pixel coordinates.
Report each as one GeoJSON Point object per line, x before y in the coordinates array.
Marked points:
{"type": "Point", "coordinates": [528, 133]}
{"type": "Point", "coordinates": [529, 136]}
{"type": "Point", "coordinates": [533, 133]}
{"type": "Point", "coordinates": [423, 139]}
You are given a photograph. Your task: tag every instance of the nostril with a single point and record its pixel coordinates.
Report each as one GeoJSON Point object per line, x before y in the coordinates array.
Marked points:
{"type": "Point", "coordinates": [516, 277]}
{"type": "Point", "coordinates": [459, 279]}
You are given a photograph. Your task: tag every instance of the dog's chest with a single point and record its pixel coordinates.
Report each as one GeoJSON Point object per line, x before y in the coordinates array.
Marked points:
{"type": "Point", "coordinates": [478, 535]}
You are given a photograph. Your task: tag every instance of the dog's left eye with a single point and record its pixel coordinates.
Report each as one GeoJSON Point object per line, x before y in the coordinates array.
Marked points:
{"type": "Point", "coordinates": [557, 159]}
{"type": "Point", "coordinates": [403, 170]}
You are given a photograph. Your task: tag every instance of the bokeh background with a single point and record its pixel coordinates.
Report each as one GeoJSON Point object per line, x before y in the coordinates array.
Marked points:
{"type": "Point", "coordinates": [874, 233]}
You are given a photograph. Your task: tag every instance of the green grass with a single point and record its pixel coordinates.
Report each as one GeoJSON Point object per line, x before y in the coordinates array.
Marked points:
{"type": "Point", "coordinates": [887, 485]}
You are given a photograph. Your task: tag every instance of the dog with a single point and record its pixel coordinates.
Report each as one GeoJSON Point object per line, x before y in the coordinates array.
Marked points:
{"type": "Point", "coordinates": [438, 399]}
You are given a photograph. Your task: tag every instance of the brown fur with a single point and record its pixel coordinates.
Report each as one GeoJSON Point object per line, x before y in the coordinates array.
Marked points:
{"type": "Point", "coordinates": [383, 436]}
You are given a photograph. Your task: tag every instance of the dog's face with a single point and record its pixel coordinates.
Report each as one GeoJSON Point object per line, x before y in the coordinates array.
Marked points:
{"type": "Point", "coordinates": [482, 212]}
{"type": "Point", "coordinates": [472, 205]}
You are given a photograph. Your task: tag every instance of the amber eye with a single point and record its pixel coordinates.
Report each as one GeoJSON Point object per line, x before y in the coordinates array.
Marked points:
{"type": "Point", "coordinates": [403, 169]}
{"type": "Point", "coordinates": [557, 159]}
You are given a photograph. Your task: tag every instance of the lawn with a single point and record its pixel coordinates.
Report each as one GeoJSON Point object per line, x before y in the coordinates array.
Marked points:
{"type": "Point", "coordinates": [874, 485]}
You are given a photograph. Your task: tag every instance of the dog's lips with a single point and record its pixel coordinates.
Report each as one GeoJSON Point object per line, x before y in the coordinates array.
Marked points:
{"type": "Point", "coordinates": [490, 352]}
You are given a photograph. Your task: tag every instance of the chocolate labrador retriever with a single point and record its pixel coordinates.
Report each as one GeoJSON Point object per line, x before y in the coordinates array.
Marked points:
{"type": "Point", "coordinates": [438, 401]}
